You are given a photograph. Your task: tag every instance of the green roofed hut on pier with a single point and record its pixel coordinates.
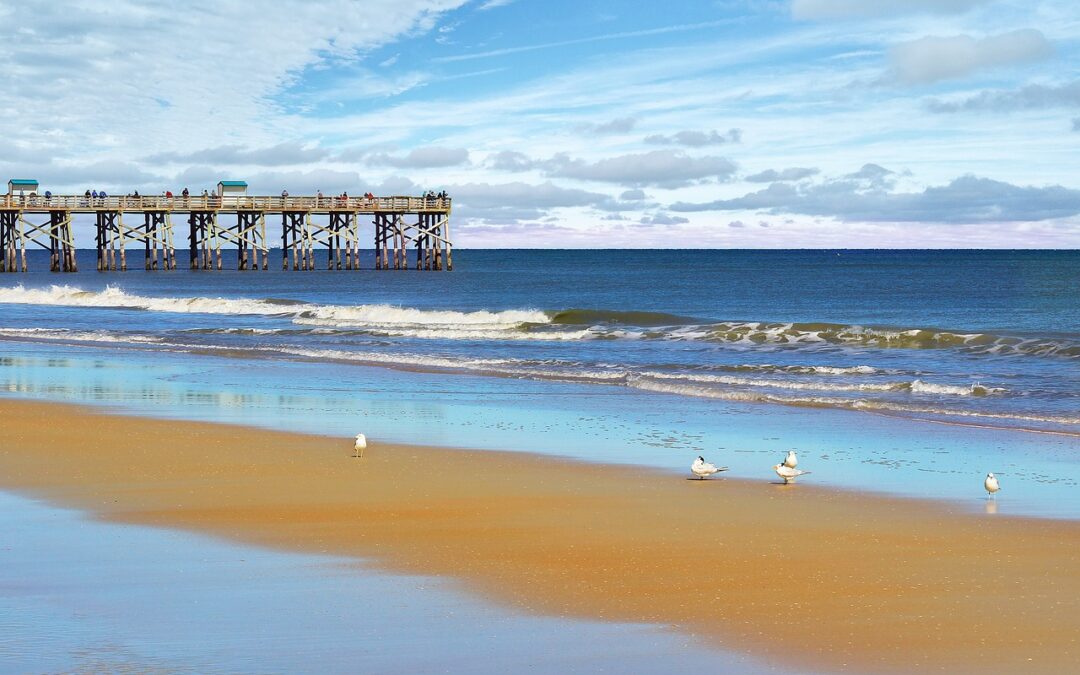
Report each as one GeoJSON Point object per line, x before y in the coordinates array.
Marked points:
{"type": "Point", "coordinates": [22, 185]}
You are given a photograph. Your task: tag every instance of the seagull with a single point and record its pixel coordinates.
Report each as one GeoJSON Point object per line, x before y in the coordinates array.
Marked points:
{"type": "Point", "coordinates": [787, 473]}
{"type": "Point", "coordinates": [991, 485]}
{"type": "Point", "coordinates": [359, 445]}
{"type": "Point", "coordinates": [701, 468]}
{"type": "Point", "coordinates": [792, 460]}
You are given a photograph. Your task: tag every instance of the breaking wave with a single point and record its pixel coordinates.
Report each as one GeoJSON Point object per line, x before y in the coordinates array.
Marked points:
{"type": "Point", "coordinates": [77, 335]}
{"type": "Point", "coordinates": [387, 316]}
{"type": "Point", "coordinates": [566, 325]}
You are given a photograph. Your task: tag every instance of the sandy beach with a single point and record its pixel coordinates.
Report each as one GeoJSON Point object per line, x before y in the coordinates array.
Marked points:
{"type": "Point", "coordinates": [800, 575]}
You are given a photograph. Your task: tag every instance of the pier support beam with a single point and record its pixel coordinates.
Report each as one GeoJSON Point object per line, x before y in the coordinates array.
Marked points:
{"type": "Point", "coordinates": [157, 231]}
{"type": "Point", "coordinates": [203, 229]}
{"type": "Point", "coordinates": [390, 234]}
{"type": "Point", "coordinates": [61, 243]}
{"type": "Point", "coordinates": [293, 239]}
{"type": "Point", "coordinates": [107, 234]}
{"type": "Point", "coordinates": [10, 240]}
{"type": "Point", "coordinates": [250, 237]}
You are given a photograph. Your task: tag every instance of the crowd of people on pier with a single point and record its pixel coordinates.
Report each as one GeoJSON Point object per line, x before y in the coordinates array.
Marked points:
{"type": "Point", "coordinates": [97, 198]}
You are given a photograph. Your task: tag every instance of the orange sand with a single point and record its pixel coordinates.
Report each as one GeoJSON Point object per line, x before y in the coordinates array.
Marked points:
{"type": "Point", "coordinates": [802, 575]}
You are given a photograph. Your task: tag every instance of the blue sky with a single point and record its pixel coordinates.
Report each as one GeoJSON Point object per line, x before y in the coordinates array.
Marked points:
{"type": "Point", "coordinates": [745, 123]}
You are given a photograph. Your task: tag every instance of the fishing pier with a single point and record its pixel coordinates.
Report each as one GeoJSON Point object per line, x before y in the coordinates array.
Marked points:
{"type": "Point", "coordinates": [226, 218]}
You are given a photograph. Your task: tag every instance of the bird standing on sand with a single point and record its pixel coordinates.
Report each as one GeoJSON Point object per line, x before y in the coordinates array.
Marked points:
{"type": "Point", "coordinates": [787, 473]}
{"type": "Point", "coordinates": [792, 460]}
{"type": "Point", "coordinates": [360, 445]}
{"type": "Point", "coordinates": [991, 485]}
{"type": "Point", "coordinates": [702, 469]}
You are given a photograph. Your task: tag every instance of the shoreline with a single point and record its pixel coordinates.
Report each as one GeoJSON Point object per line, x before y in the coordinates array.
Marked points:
{"type": "Point", "coordinates": [870, 582]}
{"type": "Point", "coordinates": [944, 418]}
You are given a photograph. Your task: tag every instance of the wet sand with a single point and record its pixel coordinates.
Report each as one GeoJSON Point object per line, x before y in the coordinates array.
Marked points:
{"type": "Point", "coordinates": [800, 575]}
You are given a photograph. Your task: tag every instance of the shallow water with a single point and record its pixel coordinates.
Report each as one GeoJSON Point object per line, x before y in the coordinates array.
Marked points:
{"type": "Point", "coordinates": [614, 425]}
{"type": "Point", "coordinates": [78, 595]}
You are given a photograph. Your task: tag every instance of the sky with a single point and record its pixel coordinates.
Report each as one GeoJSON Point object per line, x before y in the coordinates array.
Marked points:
{"type": "Point", "coordinates": [583, 123]}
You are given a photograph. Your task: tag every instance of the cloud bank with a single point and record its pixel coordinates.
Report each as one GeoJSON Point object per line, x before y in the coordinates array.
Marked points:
{"type": "Point", "coordinates": [932, 59]}
{"type": "Point", "coordinates": [965, 200]}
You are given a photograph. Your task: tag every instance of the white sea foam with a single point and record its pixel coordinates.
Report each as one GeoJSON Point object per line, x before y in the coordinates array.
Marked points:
{"type": "Point", "coordinates": [484, 366]}
{"type": "Point", "coordinates": [77, 335]}
{"type": "Point", "coordinates": [386, 316]}
{"type": "Point", "coordinates": [449, 331]}
{"type": "Point", "coordinates": [805, 370]}
{"type": "Point", "coordinates": [113, 297]}
{"type": "Point", "coordinates": [915, 386]}
{"type": "Point", "coordinates": [873, 405]}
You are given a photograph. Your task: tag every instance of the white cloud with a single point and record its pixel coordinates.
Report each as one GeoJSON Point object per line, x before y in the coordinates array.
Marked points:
{"type": "Point", "coordinates": [511, 161]}
{"type": "Point", "coordinates": [790, 174]}
{"type": "Point", "coordinates": [864, 197]}
{"type": "Point", "coordinates": [696, 139]}
{"type": "Point", "coordinates": [421, 158]}
{"type": "Point", "coordinates": [661, 168]}
{"type": "Point", "coordinates": [1030, 97]}
{"type": "Point", "coordinates": [287, 153]}
{"type": "Point", "coordinates": [517, 194]}
{"type": "Point", "coordinates": [931, 59]}
{"type": "Point", "coordinates": [110, 76]}
{"type": "Point", "coordinates": [616, 126]}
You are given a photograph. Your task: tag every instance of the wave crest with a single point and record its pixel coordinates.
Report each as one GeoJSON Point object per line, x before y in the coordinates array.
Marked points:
{"type": "Point", "coordinates": [569, 325]}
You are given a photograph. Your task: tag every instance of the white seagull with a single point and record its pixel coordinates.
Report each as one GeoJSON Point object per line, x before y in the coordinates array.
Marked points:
{"type": "Point", "coordinates": [359, 445]}
{"type": "Point", "coordinates": [991, 485]}
{"type": "Point", "coordinates": [787, 473]}
{"type": "Point", "coordinates": [701, 468]}
{"type": "Point", "coordinates": [792, 460]}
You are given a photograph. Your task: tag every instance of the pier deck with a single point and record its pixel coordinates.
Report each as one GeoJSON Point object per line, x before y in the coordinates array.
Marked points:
{"type": "Point", "coordinates": [307, 223]}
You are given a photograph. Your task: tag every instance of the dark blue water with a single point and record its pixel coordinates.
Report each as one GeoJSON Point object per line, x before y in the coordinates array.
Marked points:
{"type": "Point", "coordinates": [984, 337]}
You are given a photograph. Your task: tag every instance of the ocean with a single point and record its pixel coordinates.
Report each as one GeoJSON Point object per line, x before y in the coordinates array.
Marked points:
{"type": "Point", "coordinates": [869, 361]}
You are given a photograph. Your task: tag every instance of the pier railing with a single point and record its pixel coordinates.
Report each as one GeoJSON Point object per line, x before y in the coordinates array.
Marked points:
{"type": "Point", "coordinates": [227, 203]}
